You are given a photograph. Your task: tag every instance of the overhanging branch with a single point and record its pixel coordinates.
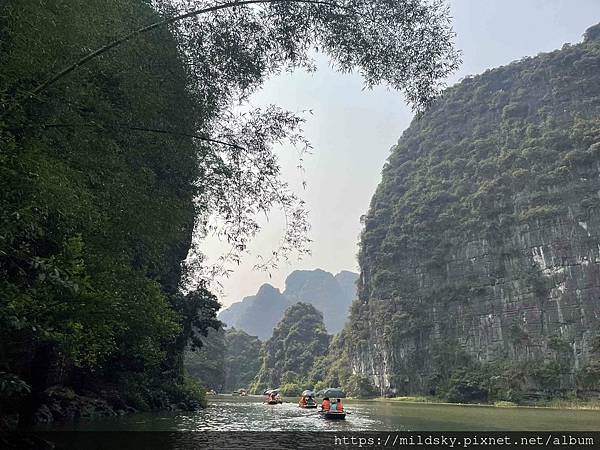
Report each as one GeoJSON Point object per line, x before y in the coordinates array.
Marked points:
{"type": "Point", "coordinates": [87, 58]}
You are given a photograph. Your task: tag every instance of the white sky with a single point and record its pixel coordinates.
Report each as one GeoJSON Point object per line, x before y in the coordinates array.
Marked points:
{"type": "Point", "coordinates": [352, 130]}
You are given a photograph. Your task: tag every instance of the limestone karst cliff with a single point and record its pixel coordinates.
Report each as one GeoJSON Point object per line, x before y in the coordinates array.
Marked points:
{"type": "Point", "coordinates": [332, 295]}
{"type": "Point", "coordinates": [480, 255]}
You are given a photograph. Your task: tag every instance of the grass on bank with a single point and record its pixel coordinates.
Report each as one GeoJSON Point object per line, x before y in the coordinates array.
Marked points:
{"type": "Point", "coordinates": [593, 405]}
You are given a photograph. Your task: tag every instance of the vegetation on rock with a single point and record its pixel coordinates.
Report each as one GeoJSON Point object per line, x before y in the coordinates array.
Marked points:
{"type": "Point", "coordinates": [479, 255]}
{"type": "Point", "coordinates": [242, 359]}
{"type": "Point", "coordinates": [298, 340]}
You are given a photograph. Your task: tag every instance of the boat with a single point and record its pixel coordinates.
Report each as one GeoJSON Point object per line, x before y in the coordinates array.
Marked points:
{"type": "Point", "coordinates": [333, 415]}
{"type": "Point", "coordinates": [308, 406]}
{"type": "Point", "coordinates": [308, 395]}
{"type": "Point", "coordinates": [273, 397]}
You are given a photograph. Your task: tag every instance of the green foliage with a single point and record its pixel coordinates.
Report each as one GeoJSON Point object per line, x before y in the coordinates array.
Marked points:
{"type": "Point", "coordinates": [503, 382]}
{"type": "Point", "coordinates": [298, 340]}
{"type": "Point", "coordinates": [95, 218]}
{"type": "Point", "coordinates": [242, 359]}
{"type": "Point", "coordinates": [291, 389]}
{"type": "Point", "coordinates": [359, 385]}
{"type": "Point", "coordinates": [145, 392]}
{"type": "Point", "coordinates": [495, 160]}
{"type": "Point", "coordinates": [207, 363]}
{"type": "Point", "coordinates": [467, 386]}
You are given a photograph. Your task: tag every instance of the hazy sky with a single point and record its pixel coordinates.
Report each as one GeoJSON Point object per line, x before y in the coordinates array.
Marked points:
{"type": "Point", "coordinates": [352, 129]}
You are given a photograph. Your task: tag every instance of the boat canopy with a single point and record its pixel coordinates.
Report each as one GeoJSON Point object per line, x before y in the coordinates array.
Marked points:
{"type": "Point", "coordinates": [331, 392]}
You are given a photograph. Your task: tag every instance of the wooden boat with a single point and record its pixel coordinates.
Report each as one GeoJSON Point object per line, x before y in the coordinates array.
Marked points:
{"type": "Point", "coordinates": [273, 402]}
{"type": "Point", "coordinates": [308, 406]}
{"type": "Point", "coordinates": [332, 415]}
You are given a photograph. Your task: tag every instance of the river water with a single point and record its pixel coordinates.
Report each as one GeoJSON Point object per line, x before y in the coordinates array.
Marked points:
{"type": "Point", "coordinates": [227, 413]}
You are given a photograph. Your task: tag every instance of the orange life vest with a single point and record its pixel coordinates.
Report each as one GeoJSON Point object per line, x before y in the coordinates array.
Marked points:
{"type": "Point", "coordinates": [326, 405]}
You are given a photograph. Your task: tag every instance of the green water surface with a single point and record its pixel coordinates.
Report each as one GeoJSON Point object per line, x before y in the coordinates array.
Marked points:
{"type": "Point", "coordinates": [227, 413]}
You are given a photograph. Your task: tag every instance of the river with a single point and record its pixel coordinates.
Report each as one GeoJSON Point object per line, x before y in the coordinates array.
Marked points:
{"type": "Point", "coordinates": [227, 413]}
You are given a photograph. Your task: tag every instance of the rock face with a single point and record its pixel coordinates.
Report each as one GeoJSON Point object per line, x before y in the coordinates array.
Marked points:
{"type": "Point", "coordinates": [257, 314]}
{"type": "Point", "coordinates": [481, 247]}
{"type": "Point", "coordinates": [325, 292]}
{"type": "Point", "coordinates": [332, 295]}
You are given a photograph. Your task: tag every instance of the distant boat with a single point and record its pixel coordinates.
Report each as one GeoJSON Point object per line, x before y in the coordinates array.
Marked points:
{"type": "Point", "coordinates": [273, 397]}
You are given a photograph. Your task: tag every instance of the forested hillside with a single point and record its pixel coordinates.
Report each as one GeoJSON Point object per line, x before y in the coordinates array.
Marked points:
{"type": "Point", "coordinates": [480, 257]}
{"type": "Point", "coordinates": [207, 363]}
{"type": "Point", "coordinates": [298, 340]}
{"type": "Point", "coordinates": [242, 359]}
{"type": "Point", "coordinates": [228, 360]}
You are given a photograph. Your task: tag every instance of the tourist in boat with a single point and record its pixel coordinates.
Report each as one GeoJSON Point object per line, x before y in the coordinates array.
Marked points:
{"type": "Point", "coordinates": [326, 404]}
{"type": "Point", "coordinates": [302, 401]}
{"type": "Point", "coordinates": [339, 406]}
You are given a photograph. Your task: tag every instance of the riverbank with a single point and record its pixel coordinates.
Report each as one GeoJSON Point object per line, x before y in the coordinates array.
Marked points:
{"type": "Point", "coordinates": [593, 405]}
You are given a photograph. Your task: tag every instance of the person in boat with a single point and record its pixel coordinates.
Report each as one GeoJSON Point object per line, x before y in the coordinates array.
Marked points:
{"type": "Point", "coordinates": [326, 404]}
{"type": "Point", "coordinates": [303, 401]}
{"type": "Point", "coordinates": [339, 406]}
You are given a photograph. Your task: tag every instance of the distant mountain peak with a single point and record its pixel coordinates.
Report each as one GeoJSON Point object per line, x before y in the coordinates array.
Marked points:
{"type": "Point", "coordinates": [267, 289]}
{"type": "Point", "coordinates": [331, 295]}
{"type": "Point", "coordinates": [592, 33]}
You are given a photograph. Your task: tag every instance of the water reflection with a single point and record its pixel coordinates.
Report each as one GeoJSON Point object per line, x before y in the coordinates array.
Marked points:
{"type": "Point", "coordinates": [226, 413]}
{"type": "Point", "coordinates": [249, 414]}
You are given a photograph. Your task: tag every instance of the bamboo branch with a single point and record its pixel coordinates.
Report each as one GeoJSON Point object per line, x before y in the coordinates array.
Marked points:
{"type": "Point", "coordinates": [145, 129]}
{"type": "Point", "coordinates": [87, 58]}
